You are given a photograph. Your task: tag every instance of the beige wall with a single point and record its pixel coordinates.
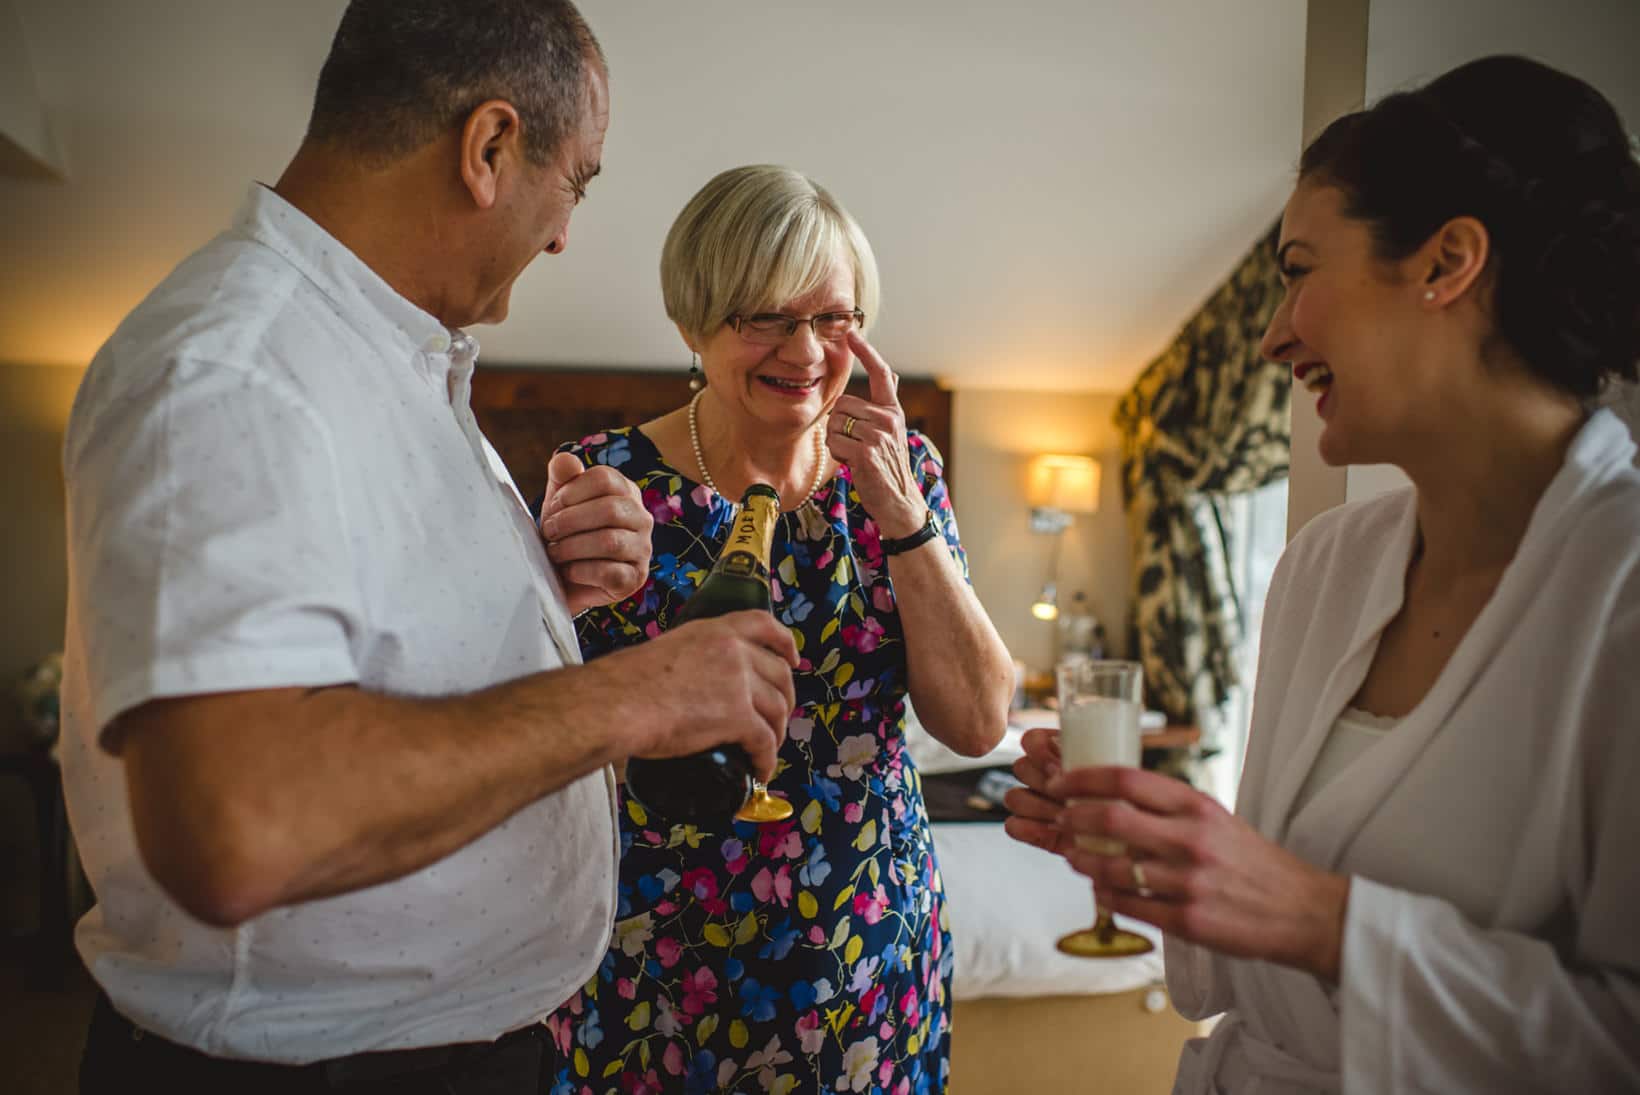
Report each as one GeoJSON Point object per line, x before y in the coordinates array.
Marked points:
{"type": "Point", "coordinates": [996, 434]}
{"type": "Point", "coordinates": [34, 402]}
{"type": "Point", "coordinates": [1040, 165]}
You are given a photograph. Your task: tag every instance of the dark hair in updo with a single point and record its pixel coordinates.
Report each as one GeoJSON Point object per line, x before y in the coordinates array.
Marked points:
{"type": "Point", "coordinates": [1541, 159]}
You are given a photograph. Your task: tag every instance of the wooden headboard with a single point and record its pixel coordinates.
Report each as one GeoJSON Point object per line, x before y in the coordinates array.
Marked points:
{"type": "Point", "coordinates": [528, 412]}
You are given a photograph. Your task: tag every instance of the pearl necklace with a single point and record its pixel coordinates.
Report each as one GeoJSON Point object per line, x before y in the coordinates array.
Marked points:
{"type": "Point", "coordinates": [706, 476]}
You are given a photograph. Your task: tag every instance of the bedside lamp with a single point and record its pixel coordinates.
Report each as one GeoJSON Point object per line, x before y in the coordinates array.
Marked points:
{"type": "Point", "coordinates": [1059, 488]}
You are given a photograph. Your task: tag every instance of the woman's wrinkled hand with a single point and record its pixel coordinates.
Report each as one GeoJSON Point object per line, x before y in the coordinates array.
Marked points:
{"type": "Point", "coordinates": [869, 436]}
{"type": "Point", "coordinates": [1204, 874]}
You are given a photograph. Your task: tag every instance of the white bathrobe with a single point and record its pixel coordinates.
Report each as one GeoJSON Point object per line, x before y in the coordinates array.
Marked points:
{"type": "Point", "coordinates": [1492, 939]}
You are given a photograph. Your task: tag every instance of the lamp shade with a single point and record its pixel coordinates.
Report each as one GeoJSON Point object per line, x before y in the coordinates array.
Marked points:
{"type": "Point", "coordinates": [1066, 483]}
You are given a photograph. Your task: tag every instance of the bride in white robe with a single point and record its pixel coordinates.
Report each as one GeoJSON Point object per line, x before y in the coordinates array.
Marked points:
{"type": "Point", "coordinates": [1432, 881]}
{"type": "Point", "coordinates": [1491, 941]}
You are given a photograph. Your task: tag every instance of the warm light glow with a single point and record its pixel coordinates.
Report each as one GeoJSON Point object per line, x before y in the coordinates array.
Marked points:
{"type": "Point", "coordinates": [1066, 483]}
{"type": "Point", "coordinates": [1046, 605]}
{"type": "Point", "coordinates": [38, 398]}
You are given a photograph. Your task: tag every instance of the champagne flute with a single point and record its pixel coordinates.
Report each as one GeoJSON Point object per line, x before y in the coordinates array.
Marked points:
{"type": "Point", "coordinates": [1099, 708]}
{"type": "Point", "coordinates": [761, 806]}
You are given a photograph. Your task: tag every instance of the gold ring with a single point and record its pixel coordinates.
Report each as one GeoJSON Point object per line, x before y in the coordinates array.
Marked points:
{"type": "Point", "coordinates": [1138, 873]}
{"type": "Point", "coordinates": [848, 425]}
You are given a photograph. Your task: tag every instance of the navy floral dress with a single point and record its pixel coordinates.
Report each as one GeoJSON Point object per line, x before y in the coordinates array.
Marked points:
{"type": "Point", "coordinates": [810, 955]}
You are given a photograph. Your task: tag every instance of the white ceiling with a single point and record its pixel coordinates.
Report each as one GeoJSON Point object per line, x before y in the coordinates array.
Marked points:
{"type": "Point", "coordinates": [1051, 186]}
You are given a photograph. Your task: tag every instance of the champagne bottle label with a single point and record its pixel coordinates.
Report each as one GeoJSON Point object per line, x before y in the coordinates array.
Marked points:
{"type": "Point", "coordinates": [745, 555]}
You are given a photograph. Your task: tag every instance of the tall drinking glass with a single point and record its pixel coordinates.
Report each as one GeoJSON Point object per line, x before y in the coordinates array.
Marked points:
{"type": "Point", "coordinates": [1099, 707]}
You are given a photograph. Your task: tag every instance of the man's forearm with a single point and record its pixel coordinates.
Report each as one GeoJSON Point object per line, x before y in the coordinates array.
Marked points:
{"type": "Point", "coordinates": [245, 802]}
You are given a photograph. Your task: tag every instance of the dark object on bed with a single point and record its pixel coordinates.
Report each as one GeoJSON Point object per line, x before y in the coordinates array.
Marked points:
{"type": "Point", "coordinates": [528, 412]}
{"type": "Point", "coordinates": [966, 796]}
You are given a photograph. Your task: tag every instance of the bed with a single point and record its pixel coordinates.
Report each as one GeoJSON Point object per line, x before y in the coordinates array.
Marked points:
{"type": "Point", "coordinates": [1026, 1019]}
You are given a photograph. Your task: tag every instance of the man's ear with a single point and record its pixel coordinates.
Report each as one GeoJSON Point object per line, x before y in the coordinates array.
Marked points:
{"type": "Point", "coordinates": [1454, 259]}
{"type": "Point", "coordinates": [489, 145]}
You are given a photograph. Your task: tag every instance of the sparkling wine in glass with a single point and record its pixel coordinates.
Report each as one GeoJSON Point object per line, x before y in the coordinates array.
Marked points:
{"type": "Point", "coordinates": [1099, 708]}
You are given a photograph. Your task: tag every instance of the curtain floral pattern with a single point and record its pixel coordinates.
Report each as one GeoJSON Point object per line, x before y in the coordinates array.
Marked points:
{"type": "Point", "coordinates": [1207, 418]}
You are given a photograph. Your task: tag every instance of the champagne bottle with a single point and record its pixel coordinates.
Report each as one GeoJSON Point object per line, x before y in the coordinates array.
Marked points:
{"type": "Point", "coordinates": [716, 782]}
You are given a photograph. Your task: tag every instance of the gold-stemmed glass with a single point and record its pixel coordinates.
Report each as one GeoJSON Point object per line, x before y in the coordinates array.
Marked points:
{"type": "Point", "coordinates": [762, 806]}
{"type": "Point", "coordinates": [1099, 708]}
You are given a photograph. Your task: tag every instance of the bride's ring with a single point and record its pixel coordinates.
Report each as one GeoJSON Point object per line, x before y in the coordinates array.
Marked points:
{"type": "Point", "coordinates": [1138, 873]}
{"type": "Point", "coordinates": [848, 425]}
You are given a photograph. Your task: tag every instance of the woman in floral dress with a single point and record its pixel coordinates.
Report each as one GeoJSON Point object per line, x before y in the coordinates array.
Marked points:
{"type": "Point", "coordinates": [809, 955]}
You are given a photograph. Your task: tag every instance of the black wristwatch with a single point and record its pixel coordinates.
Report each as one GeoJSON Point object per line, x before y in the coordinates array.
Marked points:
{"type": "Point", "coordinates": [928, 531]}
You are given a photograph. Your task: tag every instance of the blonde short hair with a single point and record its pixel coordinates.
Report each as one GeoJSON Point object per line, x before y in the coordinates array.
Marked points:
{"type": "Point", "coordinates": [754, 238]}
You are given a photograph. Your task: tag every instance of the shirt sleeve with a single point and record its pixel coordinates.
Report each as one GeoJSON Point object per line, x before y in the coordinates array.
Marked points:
{"type": "Point", "coordinates": [1431, 1001]}
{"type": "Point", "coordinates": [929, 466]}
{"type": "Point", "coordinates": [207, 545]}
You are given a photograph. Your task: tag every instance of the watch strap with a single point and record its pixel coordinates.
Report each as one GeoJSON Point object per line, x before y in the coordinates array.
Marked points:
{"type": "Point", "coordinates": [928, 531]}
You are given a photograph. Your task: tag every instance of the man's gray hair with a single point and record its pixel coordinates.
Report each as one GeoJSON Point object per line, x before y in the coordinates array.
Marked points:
{"type": "Point", "coordinates": [403, 72]}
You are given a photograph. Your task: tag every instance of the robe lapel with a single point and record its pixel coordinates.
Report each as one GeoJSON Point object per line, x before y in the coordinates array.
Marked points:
{"type": "Point", "coordinates": [1322, 831]}
{"type": "Point", "coordinates": [1383, 600]}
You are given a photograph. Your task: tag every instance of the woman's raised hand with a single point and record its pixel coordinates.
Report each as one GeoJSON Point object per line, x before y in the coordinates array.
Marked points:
{"type": "Point", "coordinates": [869, 436]}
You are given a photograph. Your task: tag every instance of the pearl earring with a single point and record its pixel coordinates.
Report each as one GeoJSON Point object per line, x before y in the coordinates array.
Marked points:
{"type": "Point", "coordinates": [696, 382]}
{"type": "Point", "coordinates": [1429, 294]}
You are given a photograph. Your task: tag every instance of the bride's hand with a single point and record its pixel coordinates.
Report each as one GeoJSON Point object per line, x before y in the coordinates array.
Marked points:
{"type": "Point", "coordinates": [1208, 876]}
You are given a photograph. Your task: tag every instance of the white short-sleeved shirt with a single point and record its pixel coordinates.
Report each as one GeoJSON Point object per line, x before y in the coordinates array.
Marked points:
{"type": "Point", "coordinates": [275, 480]}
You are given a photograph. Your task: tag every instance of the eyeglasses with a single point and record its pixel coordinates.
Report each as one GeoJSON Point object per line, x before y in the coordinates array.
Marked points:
{"type": "Point", "coordinates": [773, 328]}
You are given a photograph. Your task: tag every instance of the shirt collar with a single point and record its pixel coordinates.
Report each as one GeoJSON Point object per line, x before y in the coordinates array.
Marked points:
{"type": "Point", "coordinates": [359, 292]}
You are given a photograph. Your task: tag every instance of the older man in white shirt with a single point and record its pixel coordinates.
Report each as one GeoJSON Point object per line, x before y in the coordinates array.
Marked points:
{"type": "Point", "coordinates": [341, 785]}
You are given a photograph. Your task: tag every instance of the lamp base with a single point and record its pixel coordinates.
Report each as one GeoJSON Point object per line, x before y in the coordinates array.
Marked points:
{"type": "Point", "coordinates": [1050, 520]}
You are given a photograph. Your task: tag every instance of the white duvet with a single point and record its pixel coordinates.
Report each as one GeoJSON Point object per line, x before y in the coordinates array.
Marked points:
{"type": "Point", "coordinates": [1008, 902]}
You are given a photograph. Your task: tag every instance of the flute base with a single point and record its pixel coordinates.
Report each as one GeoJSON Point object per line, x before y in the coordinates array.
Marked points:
{"type": "Point", "coordinates": [762, 806]}
{"type": "Point", "coordinates": [1114, 943]}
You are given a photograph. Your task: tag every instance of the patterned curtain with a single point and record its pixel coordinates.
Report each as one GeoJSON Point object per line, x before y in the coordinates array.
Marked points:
{"type": "Point", "coordinates": [1206, 419]}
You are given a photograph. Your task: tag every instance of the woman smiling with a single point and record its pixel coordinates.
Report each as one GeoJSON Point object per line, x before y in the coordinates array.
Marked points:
{"type": "Point", "coordinates": [807, 955]}
{"type": "Point", "coordinates": [1430, 881]}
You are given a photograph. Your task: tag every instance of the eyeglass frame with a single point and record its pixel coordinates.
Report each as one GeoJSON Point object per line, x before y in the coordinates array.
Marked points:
{"type": "Point", "coordinates": [792, 323]}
